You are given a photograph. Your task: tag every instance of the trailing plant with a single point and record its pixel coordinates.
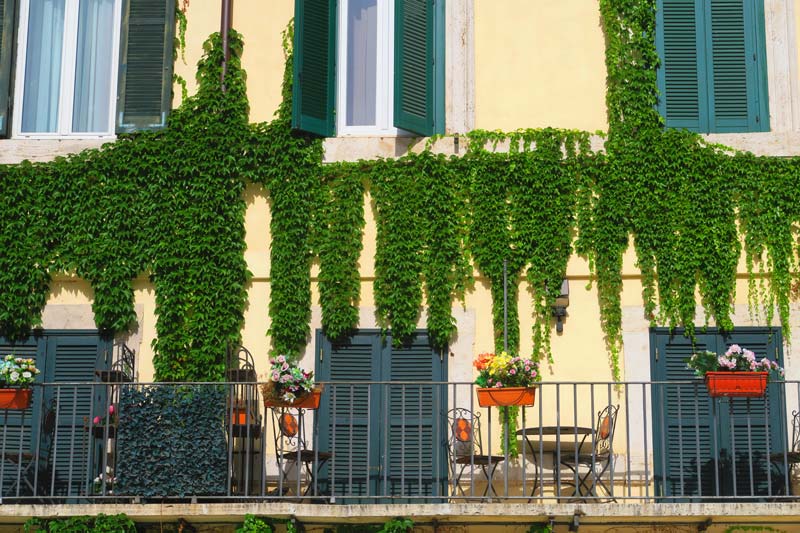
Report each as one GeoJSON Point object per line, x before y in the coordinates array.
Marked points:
{"type": "Point", "coordinates": [253, 524]}
{"type": "Point", "coordinates": [289, 165]}
{"type": "Point", "coordinates": [101, 523]}
{"type": "Point", "coordinates": [340, 241]}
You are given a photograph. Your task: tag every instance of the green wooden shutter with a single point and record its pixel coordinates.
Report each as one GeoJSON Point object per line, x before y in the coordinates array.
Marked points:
{"type": "Point", "coordinates": [377, 449]}
{"type": "Point", "coordinates": [752, 428]}
{"type": "Point", "coordinates": [73, 358]}
{"type": "Point", "coordinates": [419, 66]}
{"type": "Point", "coordinates": [735, 65]}
{"type": "Point", "coordinates": [700, 446]}
{"type": "Point", "coordinates": [682, 76]}
{"type": "Point", "coordinates": [7, 18]}
{"type": "Point", "coordinates": [414, 449]}
{"type": "Point", "coordinates": [20, 425]}
{"type": "Point", "coordinates": [314, 68]}
{"type": "Point", "coordinates": [346, 412]}
{"type": "Point", "coordinates": [683, 440]}
{"type": "Point", "coordinates": [146, 60]}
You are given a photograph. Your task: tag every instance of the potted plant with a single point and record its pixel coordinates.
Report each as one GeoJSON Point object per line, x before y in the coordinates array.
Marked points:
{"type": "Point", "coordinates": [505, 380]}
{"type": "Point", "coordinates": [288, 385]}
{"type": "Point", "coordinates": [736, 373]}
{"type": "Point", "coordinates": [16, 376]}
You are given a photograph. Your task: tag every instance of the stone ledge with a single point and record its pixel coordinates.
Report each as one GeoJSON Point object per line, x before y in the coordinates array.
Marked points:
{"type": "Point", "coordinates": [453, 513]}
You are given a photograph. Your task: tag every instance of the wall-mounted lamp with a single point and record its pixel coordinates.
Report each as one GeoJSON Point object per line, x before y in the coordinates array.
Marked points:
{"type": "Point", "coordinates": [560, 306]}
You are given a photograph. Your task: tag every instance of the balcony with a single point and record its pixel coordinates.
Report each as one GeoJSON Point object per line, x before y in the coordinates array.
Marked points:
{"type": "Point", "coordinates": [653, 445]}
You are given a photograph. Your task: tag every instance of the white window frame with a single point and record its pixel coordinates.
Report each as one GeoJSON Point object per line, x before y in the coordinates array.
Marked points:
{"type": "Point", "coordinates": [68, 67]}
{"type": "Point", "coordinates": [384, 68]}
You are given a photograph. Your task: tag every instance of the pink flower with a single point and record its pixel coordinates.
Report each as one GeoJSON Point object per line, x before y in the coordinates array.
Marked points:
{"type": "Point", "coordinates": [285, 367]}
{"type": "Point", "coordinates": [512, 371]}
{"type": "Point", "coordinates": [96, 420]}
{"type": "Point", "coordinates": [111, 409]}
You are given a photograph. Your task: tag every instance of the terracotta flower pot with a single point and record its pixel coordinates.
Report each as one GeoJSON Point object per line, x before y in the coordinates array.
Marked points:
{"type": "Point", "coordinates": [15, 398]}
{"type": "Point", "coordinates": [506, 396]}
{"type": "Point", "coordinates": [736, 384]}
{"type": "Point", "coordinates": [309, 401]}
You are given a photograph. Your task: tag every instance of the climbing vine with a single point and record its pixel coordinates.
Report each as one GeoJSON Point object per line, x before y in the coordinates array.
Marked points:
{"type": "Point", "coordinates": [169, 205]}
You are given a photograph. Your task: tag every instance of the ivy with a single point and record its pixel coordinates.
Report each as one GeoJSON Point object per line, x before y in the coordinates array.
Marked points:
{"type": "Point", "coordinates": [341, 241]}
{"type": "Point", "coordinates": [169, 205]}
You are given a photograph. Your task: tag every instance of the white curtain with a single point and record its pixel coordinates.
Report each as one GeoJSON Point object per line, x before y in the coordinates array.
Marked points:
{"type": "Point", "coordinates": [362, 44]}
{"type": "Point", "coordinates": [43, 66]}
{"type": "Point", "coordinates": [93, 66]}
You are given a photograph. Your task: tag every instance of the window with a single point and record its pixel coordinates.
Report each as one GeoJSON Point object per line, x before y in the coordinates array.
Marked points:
{"type": "Point", "coordinates": [369, 67]}
{"type": "Point", "coordinates": [713, 75]}
{"type": "Point", "coordinates": [84, 68]}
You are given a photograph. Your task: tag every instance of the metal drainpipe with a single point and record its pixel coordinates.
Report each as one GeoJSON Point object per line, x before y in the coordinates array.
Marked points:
{"type": "Point", "coordinates": [224, 26]}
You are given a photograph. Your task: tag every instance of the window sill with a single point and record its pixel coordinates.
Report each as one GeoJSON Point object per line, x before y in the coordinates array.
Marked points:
{"type": "Point", "coordinates": [18, 149]}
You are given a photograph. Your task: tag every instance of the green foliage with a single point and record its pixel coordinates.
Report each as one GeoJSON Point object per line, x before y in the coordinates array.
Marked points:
{"type": "Point", "coordinates": [395, 525]}
{"type": "Point", "coordinates": [101, 523]}
{"type": "Point", "coordinates": [253, 524]}
{"type": "Point", "coordinates": [340, 235]}
{"type": "Point", "coordinates": [171, 441]}
{"type": "Point", "coordinates": [685, 204]}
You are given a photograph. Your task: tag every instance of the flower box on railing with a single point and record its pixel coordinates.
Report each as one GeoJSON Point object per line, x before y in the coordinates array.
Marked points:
{"type": "Point", "coordinates": [506, 396]}
{"type": "Point", "coordinates": [15, 398]}
{"type": "Point", "coordinates": [736, 384]}
{"type": "Point", "coordinates": [308, 401]}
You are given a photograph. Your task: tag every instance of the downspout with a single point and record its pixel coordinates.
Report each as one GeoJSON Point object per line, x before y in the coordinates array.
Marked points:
{"type": "Point", "coordinates": [224, 27]}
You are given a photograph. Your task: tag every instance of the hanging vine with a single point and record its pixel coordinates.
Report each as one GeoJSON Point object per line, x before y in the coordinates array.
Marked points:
{"type": "Point", "coordinates": [687, 206]}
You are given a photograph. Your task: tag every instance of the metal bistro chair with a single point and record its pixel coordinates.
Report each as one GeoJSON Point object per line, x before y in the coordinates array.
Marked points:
{"type": "Point", "coordinates": [789, 460]}
{"type": "Point", "coordinates": [30, 469]}
{"type": "Point", "coordinates": [291, 450]}
{"type": "Point", "coordinates": [591, 466]}
{"type": "Point", "coordinates": [465, 449]}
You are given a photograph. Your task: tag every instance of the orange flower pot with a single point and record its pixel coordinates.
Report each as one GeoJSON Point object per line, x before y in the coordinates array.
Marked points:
{"type": "Point", "coordinates": [309, 401]}
{"type": "Point", "coordinates": [736, 384]}
{"type": "Point", "coordinates": [506, 396]}
{"type": "Point", "coordinates": [15, 398]}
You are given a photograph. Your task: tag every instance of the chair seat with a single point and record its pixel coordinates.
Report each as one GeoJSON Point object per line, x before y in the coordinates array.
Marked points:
{"type": "Point", "coordinates": [584, 459]}
{"type": "Point", "coordinates": [479, 460]}
{"type": "Point", "coordinates": [18, 458]}
{"type": "Point", "coordinates": [306, 456]}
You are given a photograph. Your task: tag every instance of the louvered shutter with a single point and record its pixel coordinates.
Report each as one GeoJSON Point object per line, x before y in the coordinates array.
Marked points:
{"type": "Point", "coordinates": [20, 428]}
{"type": "Point", "coordinates": [346, 412]}
{"type": "Point", "coordinates": [414, 450]}
{"type": "Point", "coordinates": [751, 427]}
{"type": "Point", "coordinates": [683, 439]}
{"type": "Point", "coordinates": [7, 18]}
{"type": "Point", "coordinates": [387, 440]}
{"type": "Point", "coordinates": [712, 447]}
{"type": "Point", "coordinates": [414, 66]}
{"type": "Point", "coordinates": [146, 61]}
{"type": "Point", "coordinates": [713, 71]}
{"type": "Point", "coordinates": [74, 359]}
{"type": "Point", "coordinates": [735, 88]}
{"type": "Point", "coordinates": [682, 77]}
{"type": "Point", "coordinates": [314, 74]}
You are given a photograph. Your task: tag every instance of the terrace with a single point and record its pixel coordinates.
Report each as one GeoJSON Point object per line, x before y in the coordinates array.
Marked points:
{"type": "Point", "coordinates": [419, 447]}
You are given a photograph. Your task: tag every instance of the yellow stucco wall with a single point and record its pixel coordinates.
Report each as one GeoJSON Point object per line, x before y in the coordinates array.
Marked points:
{"type": "Point", "coordinates": [539, 64]}
{"type": "Point", "coordinates": [260, 23]}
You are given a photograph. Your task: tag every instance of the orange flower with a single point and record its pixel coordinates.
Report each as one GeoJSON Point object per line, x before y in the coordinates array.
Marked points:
{"type": "Point", "coordinates": [482, 360]}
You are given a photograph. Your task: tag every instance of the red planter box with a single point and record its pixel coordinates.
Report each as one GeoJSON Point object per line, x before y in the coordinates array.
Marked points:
{"type": "Point", "coordinates": [15, 398]}
{"type": "Point", "coordinates": [736, 384]}
{"type": "Point", "coordinates": [309, 401]}
{"type": "Point", "coordinates": [506, 396]}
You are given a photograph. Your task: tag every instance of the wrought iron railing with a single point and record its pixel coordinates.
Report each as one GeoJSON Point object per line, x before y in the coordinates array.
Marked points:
{"type": "Point", "coordinates": [409, 442]}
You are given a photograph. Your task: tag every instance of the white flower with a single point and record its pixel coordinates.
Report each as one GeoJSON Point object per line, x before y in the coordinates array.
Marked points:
{"type": "Point", "coordinates": [27, 375]}
{"type": "Point", "coordinates": [14, 376]}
